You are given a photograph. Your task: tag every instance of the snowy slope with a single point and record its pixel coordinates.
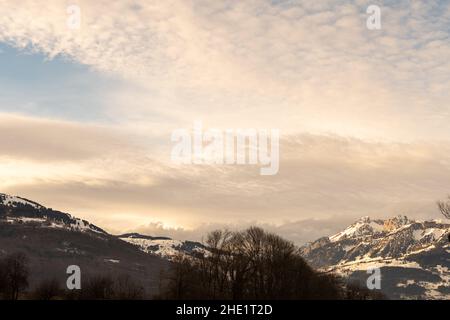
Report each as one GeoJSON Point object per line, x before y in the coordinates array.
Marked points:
{"type": "Point", "coordinates": [414, 256]}
{"type": "Point", "coordinates": [14, 201]}
{"type": "Point", "coordinates": [16, 210]}
{"type": "Point", "coordinates": [162, 246]}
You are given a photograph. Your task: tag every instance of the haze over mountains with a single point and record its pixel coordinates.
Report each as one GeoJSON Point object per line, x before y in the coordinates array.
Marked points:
{"type": "Point", "coordinates": [414, 256]}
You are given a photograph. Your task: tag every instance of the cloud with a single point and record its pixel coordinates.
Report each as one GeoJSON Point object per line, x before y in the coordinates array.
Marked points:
{"type": "Point", "coordinates": [25, 138]}
{"type": "Point", "coordinates": [316, 63]}
{"type": "Point", "coordinates": [364, 114]}
{"type": "Point", "coordinates": [298, 232]}
{"type": "Point", "coordinates": [320, 177]}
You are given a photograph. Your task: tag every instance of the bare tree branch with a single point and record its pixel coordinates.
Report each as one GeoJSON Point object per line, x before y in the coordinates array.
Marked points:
{"type": "Point", "coordinates": [444, 207]}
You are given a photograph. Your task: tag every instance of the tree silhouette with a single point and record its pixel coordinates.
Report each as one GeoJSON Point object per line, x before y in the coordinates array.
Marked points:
{"type": "Point", "coordinates": [251, 265]}
{"type": "Point", "coordinates": [13, 276]}
{"type": "Point", "coordinates": [108, 287]}
{"type": "Point", "coordinates": [444, 207]}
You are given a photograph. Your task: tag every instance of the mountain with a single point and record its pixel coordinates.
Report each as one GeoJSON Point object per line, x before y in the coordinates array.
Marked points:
{"type": "Point", "coordinates": [53, 240]}
{"type": "Point", "coordinates": [163, 246]}
{"type": "Point", "coordinates": [20, 210]}
{"type": "Point", "coordinates": [413, 256]}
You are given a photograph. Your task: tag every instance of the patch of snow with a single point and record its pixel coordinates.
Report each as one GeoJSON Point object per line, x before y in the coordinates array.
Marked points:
{"type": "Point", "coordinates": [14, 200]}
{"type": "Point", "coordinates": [367, 263]}
{"type": "Point", "coordinates": [161, 247]}
{"type": "Point", "coordinates": [166, 248]}
{"type": "Point", "coordinates": [348, 248]}
{"type": "Point", "coordinates": [364, 226]}
{"type": "Point", "coordinates": [417, 234]}
{"type": "Point", "coordinates": [435, 233]}
{"type": "Point", "coordinates": [24, 220]}
{"type": "Point", "coordinates": [112, 260]}
{"type": "Point", "coordinates": [405, 284]}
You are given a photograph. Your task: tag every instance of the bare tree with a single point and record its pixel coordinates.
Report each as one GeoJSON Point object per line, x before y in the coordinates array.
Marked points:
{"type": "Point", "coordinates": [444, 207]}
{"type": "Point", "coordinates": [13, 276]}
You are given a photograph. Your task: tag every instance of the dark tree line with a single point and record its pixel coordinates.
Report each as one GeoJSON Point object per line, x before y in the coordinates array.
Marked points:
{"type": "Point", "coordinates": [106, 287]}
{"type": "Point", "coordinates": [14, 276]}
{"type": "Point", "coordinates": [97, 287]}
{"type": "Point", "coordinates": [252, 264]}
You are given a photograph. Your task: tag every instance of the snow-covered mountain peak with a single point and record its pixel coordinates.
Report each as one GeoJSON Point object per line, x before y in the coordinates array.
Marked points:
{"type": "Point", "coordinates": [363, 227]}
{"type": "Point", "coordinates": [365, 219]}
{"type": "Point", "coordinates": [397, 238]}
{"type": "Point", "coordinates": [396, 222]}
{"type": "Point", "coordinates": [367, 227]}
{"type": "Point", "coordinates": [407, 250]}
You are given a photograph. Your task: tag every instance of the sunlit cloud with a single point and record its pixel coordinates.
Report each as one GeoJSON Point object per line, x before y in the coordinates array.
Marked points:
{"type": "Point", "coordinates": [317, 64]}
{"type": "Point", "coordinates": [363, 113]}
{"type": "Point", "coordinates": [321, 177]}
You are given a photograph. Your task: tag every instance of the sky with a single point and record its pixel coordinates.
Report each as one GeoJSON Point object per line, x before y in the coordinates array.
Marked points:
{"type": "Point", "coordinates": [87, 113]}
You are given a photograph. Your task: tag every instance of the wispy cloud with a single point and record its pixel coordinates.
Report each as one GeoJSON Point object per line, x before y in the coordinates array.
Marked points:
{"type": "Point", "coordinates": [320, 177]}
{"type": "Point", "coordinates": [316, 63]}
{"type": "Point", "coordinates": [364, 114]}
